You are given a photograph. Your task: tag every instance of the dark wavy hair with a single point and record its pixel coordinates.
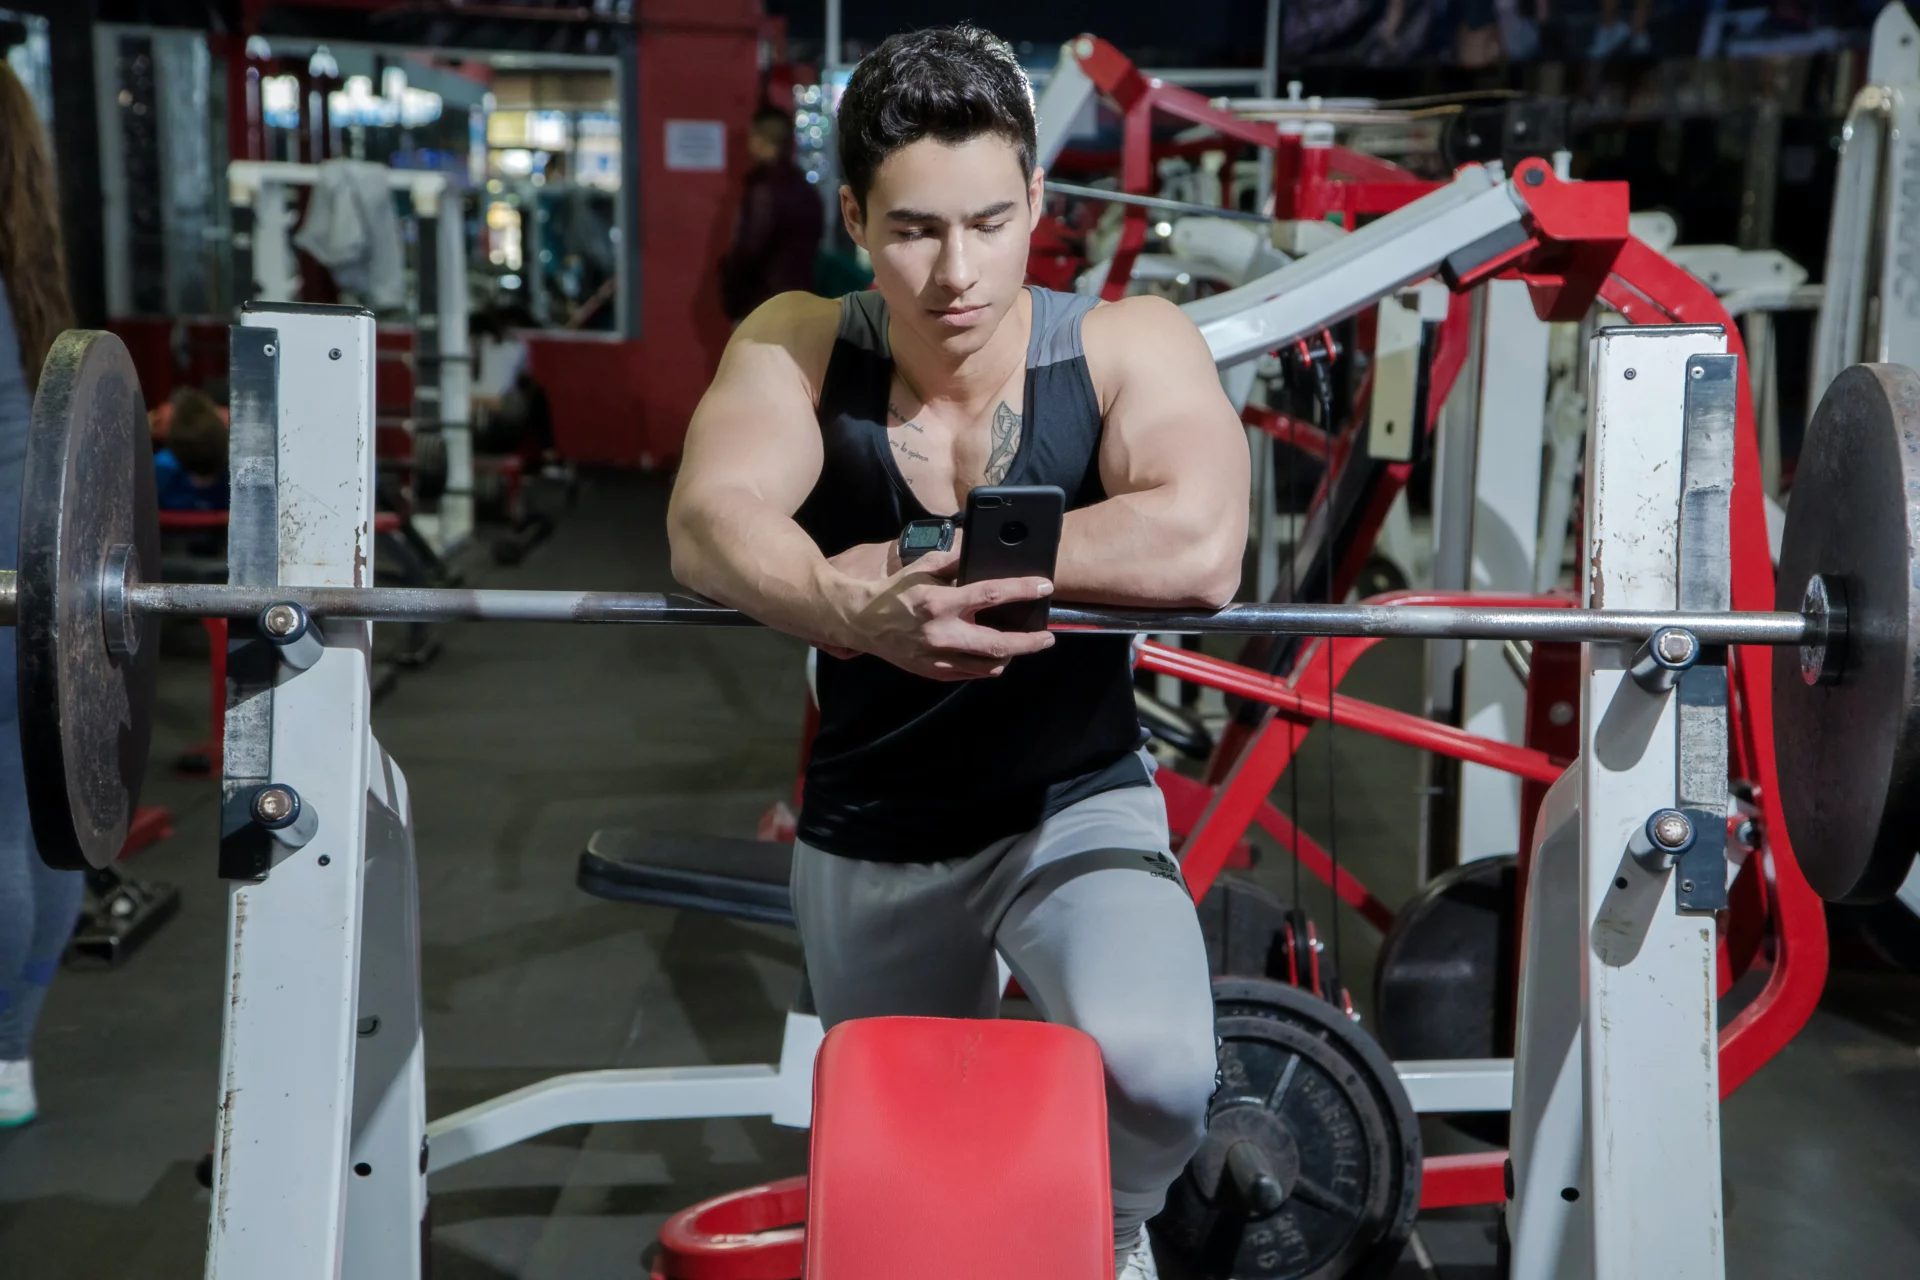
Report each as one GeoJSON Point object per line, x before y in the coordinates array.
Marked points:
{"type": "Point", "coordinates": [952, 84]}
{"type": "Point", "coordinates": [32, 262]}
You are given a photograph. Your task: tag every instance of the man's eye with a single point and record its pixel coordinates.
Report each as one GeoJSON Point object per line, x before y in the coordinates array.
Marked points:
{"type": "Point", "coordinates": [991, 227]}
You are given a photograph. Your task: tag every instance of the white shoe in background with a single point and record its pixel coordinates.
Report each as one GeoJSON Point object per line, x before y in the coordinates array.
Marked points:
{"type": "Point", "coordinates": [16, 1094]}
{"type": "Point", "coordinates": [1139, 1263]}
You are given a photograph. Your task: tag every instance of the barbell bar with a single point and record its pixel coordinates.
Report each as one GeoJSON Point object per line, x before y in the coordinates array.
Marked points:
{"type": "Point", "coordinates": [1428, 622]}
{"type": "Point", "coordinates": [1847, 711]}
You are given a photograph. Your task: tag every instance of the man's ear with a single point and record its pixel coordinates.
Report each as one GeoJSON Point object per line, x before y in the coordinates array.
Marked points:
{"type": "Point", "coordinates": [851, 216]}
{"type": "Point", "coordinates": [1036, 194]}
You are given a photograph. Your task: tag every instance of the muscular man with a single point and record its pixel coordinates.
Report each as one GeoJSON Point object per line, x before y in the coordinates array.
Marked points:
{"type": "Point", "coordinates": [973, 791]}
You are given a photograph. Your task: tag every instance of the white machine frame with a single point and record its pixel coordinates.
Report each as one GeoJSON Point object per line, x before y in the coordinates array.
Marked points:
{"type": "Point", "coordinates": [442, 358]}
{"type": "Point", "coordinates": [1872, 306]}
{"type": "Point", "coordinates": [1616, 1141]}
{"type": "Point", "coordinates": [323, 1149]}
{"type": "Point", "coordinates": [1486, 520]}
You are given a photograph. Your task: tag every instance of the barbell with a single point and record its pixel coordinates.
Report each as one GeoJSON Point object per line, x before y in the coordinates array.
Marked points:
{"type": "Point", "coordinates": [1847, 730]}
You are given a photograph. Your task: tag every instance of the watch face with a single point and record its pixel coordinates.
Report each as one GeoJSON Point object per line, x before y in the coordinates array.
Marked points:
{"type": "Point", "coordinates": [922, 537]}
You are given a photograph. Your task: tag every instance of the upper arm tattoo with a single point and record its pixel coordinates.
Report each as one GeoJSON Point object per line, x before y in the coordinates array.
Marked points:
{"type": "Point", "coordinates": [1006, 442]}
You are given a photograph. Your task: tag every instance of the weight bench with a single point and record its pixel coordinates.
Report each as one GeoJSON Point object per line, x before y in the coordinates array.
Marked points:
{"type": "Point", "coordinates": [720, 875]}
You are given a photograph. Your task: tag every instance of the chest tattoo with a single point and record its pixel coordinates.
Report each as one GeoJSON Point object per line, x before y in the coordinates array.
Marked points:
{"type": "Point", "coordinates": [1005, 438]}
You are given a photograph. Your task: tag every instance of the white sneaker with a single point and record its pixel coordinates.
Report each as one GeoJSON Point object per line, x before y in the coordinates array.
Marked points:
{"type": "Point", "coordinates": [17, 1105]}
{"type": "Point", "coordinates": [1139, 1263]}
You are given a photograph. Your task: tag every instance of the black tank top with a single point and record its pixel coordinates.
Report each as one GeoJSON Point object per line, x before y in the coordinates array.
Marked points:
{"type": "Point", "coordinates": [906, 769]}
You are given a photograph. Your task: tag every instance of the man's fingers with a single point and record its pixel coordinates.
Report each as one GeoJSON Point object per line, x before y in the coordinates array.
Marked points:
{"type": "Point", "coordinates": [953, 635]}
{"type": "Point", "coordinates": [937, 564]}
{"type": "Point", "coordinates": [984, 595]}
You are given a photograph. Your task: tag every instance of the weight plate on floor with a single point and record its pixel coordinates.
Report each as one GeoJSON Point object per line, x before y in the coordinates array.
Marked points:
{"type": "Point", "coordinates": [1848, 747]}
{"type": "Point", "coordinates": [1311, 1166]}
{"type": "Point", "coordinates": [87, 513]}
{"type": "Point", "coordinates": [1443, 986]}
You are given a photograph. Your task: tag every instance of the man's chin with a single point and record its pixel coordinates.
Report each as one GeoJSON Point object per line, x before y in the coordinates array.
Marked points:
{"type": "Point", "coordinates": [961, 335]}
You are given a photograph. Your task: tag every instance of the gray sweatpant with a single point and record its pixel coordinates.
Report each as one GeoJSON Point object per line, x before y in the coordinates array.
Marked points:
{"type": "Point", "coordinates": [1089, 912]}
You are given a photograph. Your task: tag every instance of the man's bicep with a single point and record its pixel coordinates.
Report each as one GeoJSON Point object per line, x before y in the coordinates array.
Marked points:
{"type": "Point", "coordinates": [755, 430]}
{"type": "Point", "coordinates": [1169, 419]}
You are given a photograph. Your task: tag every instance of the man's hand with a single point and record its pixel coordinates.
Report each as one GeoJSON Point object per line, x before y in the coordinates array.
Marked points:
{"type": "Point", "coordinates": [919, 621]}
{"type": "Point", "coordinates": [869, 561]}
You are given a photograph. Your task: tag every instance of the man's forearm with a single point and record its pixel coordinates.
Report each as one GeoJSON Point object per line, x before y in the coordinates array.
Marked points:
{"type": "Point", "coordinates": [753, 558]}
{"type": "Point", "coordinates": [1153, 549]}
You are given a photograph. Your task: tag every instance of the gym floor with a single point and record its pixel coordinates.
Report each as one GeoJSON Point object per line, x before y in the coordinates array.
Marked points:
{"type": "Point", "coordinates": [518, 741]}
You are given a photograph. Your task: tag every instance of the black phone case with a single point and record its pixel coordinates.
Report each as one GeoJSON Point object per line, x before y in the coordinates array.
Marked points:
{"type": "Point", "coordinates": [1013, 531]}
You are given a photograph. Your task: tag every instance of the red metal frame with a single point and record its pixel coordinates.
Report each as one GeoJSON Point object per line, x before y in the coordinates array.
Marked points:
{"type": "Point", "coordinates": [1452, 1182]}
{"type": "Point", "coordinates": [1578, 249]}
{"type": "Point", "coordinates": [1304, 695]}
{"type": "Point", "coordinates": [1382, 722]}
{"type": "Point", "coordinates": [1310, 182]}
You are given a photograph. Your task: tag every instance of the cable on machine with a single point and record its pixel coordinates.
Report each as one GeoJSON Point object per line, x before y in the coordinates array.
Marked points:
{"type": "Point", "coordinates": [1323, 385]}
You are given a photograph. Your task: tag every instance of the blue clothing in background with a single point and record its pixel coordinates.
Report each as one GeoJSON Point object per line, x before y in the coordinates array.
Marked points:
{"type": "Point", "coordinates": [178, 490]}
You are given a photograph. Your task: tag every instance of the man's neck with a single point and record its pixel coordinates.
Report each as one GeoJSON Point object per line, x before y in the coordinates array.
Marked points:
{"type": "Point", "coordinates": [936, 378]}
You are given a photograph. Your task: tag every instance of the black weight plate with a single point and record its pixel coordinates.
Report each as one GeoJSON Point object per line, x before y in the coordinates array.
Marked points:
{"type": "Point", "coordinates": [1307, 1083]}
{"type": "Point", "coordinates": [85, 715]}
{"type": "Point", "coordinates": [1443, 986]}
{"type": "Point", "coordinates": [1849, 752]}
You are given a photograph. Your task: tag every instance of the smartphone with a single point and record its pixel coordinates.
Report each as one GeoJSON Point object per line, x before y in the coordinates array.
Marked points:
{"type": "Point", "coordinates": [1012, 531]}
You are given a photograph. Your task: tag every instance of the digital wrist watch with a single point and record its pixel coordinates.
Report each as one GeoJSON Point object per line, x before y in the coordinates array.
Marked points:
{"type": "Point", "coordinates": [923, 536]}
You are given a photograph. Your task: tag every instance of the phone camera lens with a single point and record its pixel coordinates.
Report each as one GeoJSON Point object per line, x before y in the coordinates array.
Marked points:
{"type": "Point", "coordinates": [1013, 533]}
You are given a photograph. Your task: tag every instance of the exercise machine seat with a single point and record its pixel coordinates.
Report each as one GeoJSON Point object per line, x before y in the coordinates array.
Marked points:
{"type": "Point", "coordinates": [720, 875]}
{"type": "Point", "coordinates": [951, 1149]}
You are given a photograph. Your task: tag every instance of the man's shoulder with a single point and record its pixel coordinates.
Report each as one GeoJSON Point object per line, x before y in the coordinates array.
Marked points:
{"type": "Point", "coordinates": [804, 325]}
{"type": "Point", "coordinates": [795, 319]}
{"type": "Point", "coordinates": [1129, 322]}
{"type": "Point", "coordinates": [1122, 337]}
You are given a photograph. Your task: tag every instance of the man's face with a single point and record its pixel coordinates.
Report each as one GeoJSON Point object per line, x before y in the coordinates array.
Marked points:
{"type": "Point", "coordinates": [947, 228]}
